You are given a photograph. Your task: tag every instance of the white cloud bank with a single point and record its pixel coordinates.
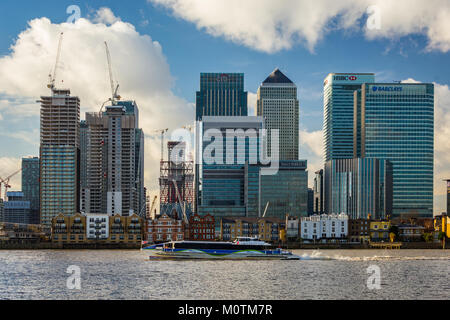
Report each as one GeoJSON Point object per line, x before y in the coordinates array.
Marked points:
{"type": "Point", "coordinates": [139, 66]}
{"type": "Point", "coordinates": [270, 26]}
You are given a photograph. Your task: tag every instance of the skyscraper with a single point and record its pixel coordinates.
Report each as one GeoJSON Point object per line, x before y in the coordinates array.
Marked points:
{"type": "Point", "coordinates": [231, 181]}
{"type": "Point", "coordinates": [338, 112]}
{"type": "Point", "coordinates": [278, 104]}
{"type": "Point", "coordinates": [359, 187]}
{"type": "Point", "coordinates": [397, 124]}
{"type": "Point", "coordinates": [221, 94]}
{"type": "Point", "coordinates": [114, 146]}
{"type": "Point", "coordinates": [30, 186]}
{"type": "Point", "coordinates": [59, 154]}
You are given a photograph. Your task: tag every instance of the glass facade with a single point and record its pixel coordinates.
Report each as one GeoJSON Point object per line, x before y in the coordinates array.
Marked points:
{"type": "Point", "coordinates": [30, 185]}
{"type": "Point", "coordinates": [231, 188]}
{"type": "Point", "coordinates": [287, 191]}
{"type": "Point", "coordinates": [359, 187]}
{"type": "Point", "coordinates": [397, 124]}
{"type": "Point", "coordinates": [221, 94]}
{"type": "Point", "coordinates": [338, 112]}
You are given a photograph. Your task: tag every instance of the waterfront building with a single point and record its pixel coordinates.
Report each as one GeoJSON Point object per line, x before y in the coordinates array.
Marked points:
{"type": "Point", "coordinates": [97, 228]}
{"type": "Point", "coordinates": [278, 104]}
{"type": "Point", "coordinates": [164, 228]}
{"type": "Point", "coordinates": [292, 227]}
{"type": "Point", "coordinates": [396, 123]}
{"type": "Point", "coordinates": [114, 146]}
{"type": "Point", "coordinates": [359, 230]}
{"type": "Point", "coordinates": [221, 94]}
{"type": "Point", "coordinates": [442, 224]}
{"type": "Point", "coordinates": [285, 192]}
{"type": "Point", "coordinates": [229, 175]}
{"type": "Point", "coordinates": [16, 209]}
{"type": "Point", "coordinates": [338, 91]}
{"type": "Point", "coordinates": [379, 230]}
{"type": "Point", "coordinates": [30, 186]}
{"type": "Point", "coordinates": [201, 228]}
{"type": "Point", "coordinates": [410, 232]}
{"type": "Point", "coordinates": [59, 155]}
{"type": "Point", "coordinates": [324, 228]}
{"type": "Point", "coordinates": [448, 195]}
{"type": "Point", "coordinates": [265, 229]}
{"type": "Point", "coordinates": [318, 190]}
{"type": "Point", "coordinates": [360, 187]}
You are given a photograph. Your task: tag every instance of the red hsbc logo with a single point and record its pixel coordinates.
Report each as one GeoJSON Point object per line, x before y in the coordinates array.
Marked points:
{"type": "Point", "coordinates": [352, 78]}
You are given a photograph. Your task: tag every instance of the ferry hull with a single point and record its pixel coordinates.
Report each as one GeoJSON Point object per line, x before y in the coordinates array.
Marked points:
{"type": "Point", "coordinates": [220, 255]}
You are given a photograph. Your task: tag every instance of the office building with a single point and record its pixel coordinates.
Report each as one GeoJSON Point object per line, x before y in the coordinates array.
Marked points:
{"type": "Point", "coordinates": [229, 175]}
{"type": "Point", "coordinates": [278, 104]}
{"type": "Point", "coordinates": [338, 112]}
{"type": "Point", "coordinates": [285, 192]}
{"type": "Point", "coordinates": [221, 94]}
{"type": "Point", "coordinates": [30, 186]}
{"type": "Point", "coordinates": [360, 187]}
{"type": "Point", "coordinates": [59, 155]}
{"type": "Point", "coordinates": [396, 123]}
{"type": "Point", "coordinates": [16, 209]}
{"type": "Point", "coordinates": [114, 146]}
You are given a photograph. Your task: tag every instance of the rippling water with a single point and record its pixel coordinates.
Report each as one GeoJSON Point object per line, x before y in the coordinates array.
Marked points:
{"type": "Point", "coordinates": [321, 274]}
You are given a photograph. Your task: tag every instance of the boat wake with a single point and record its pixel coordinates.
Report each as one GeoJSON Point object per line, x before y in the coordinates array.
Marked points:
{"type": "Point", "coordinates": [318, 255]}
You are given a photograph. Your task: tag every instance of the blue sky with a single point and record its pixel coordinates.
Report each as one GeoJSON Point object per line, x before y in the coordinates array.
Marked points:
{"type": "Point", "coordinates": [189, 49]}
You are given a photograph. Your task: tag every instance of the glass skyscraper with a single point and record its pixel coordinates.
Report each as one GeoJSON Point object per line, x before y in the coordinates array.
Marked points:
{"type": "Point", "coordinates": [397, 124]}
{"type": "Point", "coordinates": [286, 192]}
{"type": "Point", "coordinates": [338, 112]}
{"type": "Point", "coordinates": [230, 188]}
{"type": "Point", "coordinates": [359, 187]}
{"type": "Point", "coordinates": [30, 186]}
{"type": "Point", "coordinates": [221, 94]}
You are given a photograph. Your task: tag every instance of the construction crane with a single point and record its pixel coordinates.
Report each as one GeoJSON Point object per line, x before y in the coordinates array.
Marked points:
{"type": "Point", "coordinates": [183, 206]}
{"type": "Point", "coordinates": [265, 210]}
{"type": "Point", "coordinates": [52, 77]}
{"type": "Point", "coordinates": [150, 214]}
{"type": "Point", "coordinates": [114, 95]}
{"type": "Point", "coordinates": [5, 182]}
{"type": "Point", "coordinates": [162, 132]}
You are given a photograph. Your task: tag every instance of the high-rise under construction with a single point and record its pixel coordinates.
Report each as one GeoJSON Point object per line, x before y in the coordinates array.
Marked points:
{"type": "Point", "coordinates": [114, 148]}
{"type": "Point", "coordinates": [59, 155]}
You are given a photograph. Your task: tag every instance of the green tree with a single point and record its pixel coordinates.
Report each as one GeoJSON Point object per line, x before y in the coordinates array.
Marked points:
{"type": "Point", "coordinates": [427, 237]}
{"type": "Point", "coordinates": [394, 230]}
{"type": "Point", "coordinates": [442, 236]}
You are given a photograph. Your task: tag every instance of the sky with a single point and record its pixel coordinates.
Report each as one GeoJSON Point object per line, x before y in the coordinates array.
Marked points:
{"type": "Point", "coordinates": [160, 47]}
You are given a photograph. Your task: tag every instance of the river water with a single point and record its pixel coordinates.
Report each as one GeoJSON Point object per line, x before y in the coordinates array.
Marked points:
{"type": "Point", "coordinates": [321, 274]}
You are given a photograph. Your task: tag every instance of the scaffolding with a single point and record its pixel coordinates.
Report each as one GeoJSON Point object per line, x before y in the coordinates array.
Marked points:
{"type": "Point", "coordinates": [177, 170]}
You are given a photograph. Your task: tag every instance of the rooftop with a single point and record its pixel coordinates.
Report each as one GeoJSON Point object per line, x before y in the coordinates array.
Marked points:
{"type": "Point", "coordinates": [277, 77]}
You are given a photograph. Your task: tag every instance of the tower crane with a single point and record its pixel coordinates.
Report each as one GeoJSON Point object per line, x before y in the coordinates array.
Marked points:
{"type": "Point", "coordinates": [150, 214]}
{"type": "Point", "coordinates": [162, 131]}
{"type": "Point", "coordinates": [52, 77]}
{"type": "Point", "coordinates": [114, 90]}
{"type": "Point", "coordinates": [6, 183]}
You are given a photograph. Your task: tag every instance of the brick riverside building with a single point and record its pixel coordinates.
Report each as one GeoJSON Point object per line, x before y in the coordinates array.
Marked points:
{"type": "Point", "coordinates": [164, 228]}
{"type": "Point", "coordinates": [201, 228]}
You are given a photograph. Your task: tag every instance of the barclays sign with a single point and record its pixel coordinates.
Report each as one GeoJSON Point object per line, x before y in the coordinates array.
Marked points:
{"type": "Point", "coordinates": [386, 89]}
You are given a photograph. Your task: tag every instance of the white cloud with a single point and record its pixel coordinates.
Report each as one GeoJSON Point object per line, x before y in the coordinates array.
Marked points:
{"type": "Point", "coordinates": [270, 26]}
{"type": "Point", "coordinates": [106, 16]}
{"type": "Point", "coordinates": [139, 66]}
{"type": "Point", "coordinates": [311, 148]}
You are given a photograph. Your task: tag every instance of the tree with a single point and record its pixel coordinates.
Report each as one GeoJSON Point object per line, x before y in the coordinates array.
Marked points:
{"type": "Point", "coordinates": [395, 231]}
{"type": "Point", "coordinates": [427, 237]}
{"type": "Point", "coordinates": [442, 236]}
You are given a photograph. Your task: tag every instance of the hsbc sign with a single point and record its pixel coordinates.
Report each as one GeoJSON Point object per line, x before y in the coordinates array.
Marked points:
{"type": "Point", "coordinates": [345, 78]}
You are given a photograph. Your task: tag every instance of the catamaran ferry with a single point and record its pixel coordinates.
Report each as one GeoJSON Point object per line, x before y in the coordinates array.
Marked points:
{"type": "Point", "coordinates": [241, 248]}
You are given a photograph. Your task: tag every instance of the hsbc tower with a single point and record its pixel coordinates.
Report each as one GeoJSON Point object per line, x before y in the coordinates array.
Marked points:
{"type": "Point", "coordinates": [338, 106]}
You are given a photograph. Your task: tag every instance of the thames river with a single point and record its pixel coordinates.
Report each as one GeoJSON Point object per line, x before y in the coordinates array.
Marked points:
{"type": "Point", "coordinates": [321, 274]}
